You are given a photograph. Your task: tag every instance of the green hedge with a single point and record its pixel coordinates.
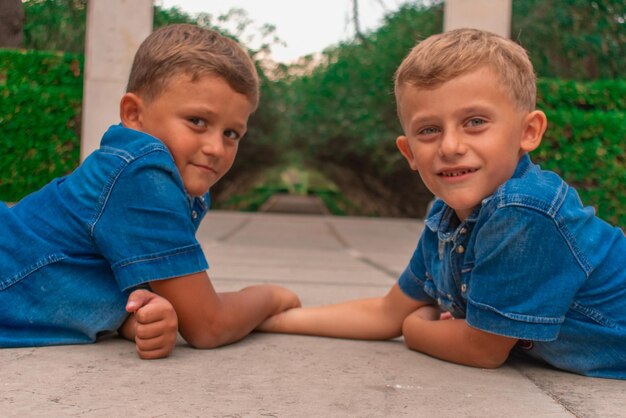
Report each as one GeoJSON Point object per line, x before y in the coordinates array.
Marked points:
{"type": "Point", "coordinates": [40, 138]}
{"type": "Point", "coordinates": [40, 104]}
{"type": "Point", "coordinates": [40, 107]}
{"type": "Point", "coordinates": [19, 67]}
{"type": "Point", "coordinates": [593, 95]}
{"type": "Point", "coordinates": [585, 140]}
{"type": "Point", "coordinates": [587, 149]}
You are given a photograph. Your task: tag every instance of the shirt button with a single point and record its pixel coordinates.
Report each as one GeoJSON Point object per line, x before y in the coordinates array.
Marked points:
{"type": "Point", "coordinates": [460, 249]}
{"type": "Point", "coordinates": [194, 214]}
{"type": "Point", "coordinates": [463, 231]}
{"type": "Point", "coordinates": [463, 288]}
{"type": "Point", "coordinates": [438, 301]}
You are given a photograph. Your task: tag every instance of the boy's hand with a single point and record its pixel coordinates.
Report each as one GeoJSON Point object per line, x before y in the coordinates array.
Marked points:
{"type": "Point", "coordinates": [153, 325]}
{"type": "Point", "coordinates": [284, 298]}
{"type": "Point", "coordinates": [285, 302]}
{"type": "Point", "coordinates": [275, 323]}
{"type": "Point", "coordinates": [207, 319]}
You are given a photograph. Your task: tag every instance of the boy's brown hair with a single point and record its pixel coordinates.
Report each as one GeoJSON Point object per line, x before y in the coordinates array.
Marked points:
{"type": "Point", "coordinates": [187, 49]}
{"type": "Point", "coordinates": [440, 58]}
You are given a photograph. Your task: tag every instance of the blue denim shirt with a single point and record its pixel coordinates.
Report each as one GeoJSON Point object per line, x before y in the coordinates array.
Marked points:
{"type": "Point", "coordinates": [530, 263]}
{"type": "Point", "coordinates": [72, 252]}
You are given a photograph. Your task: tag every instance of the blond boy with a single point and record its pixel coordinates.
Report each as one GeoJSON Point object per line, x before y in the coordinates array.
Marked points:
{"type": "Point", "coordinates": [508, 250]}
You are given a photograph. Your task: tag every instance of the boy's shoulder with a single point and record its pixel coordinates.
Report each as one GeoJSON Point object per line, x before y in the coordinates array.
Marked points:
{"type": "Point", "coordinates": [129, 144]}
{"type": "Point", "coordinates": [535, 188]}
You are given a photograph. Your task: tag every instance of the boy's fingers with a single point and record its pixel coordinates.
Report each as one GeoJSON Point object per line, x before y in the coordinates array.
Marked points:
{"type": "Point", "coordinates": [139, 298]}
{"type": "Point", "coordinates": [154, 354]}
{"type": "Point", "coordinates": [153, 313]}
{"type": "Point", "coordinates": [153, 349]}
{"type": "Point", "coordinates": [151, 344]}
{"type": "Point", "coordinates": [155, 329]}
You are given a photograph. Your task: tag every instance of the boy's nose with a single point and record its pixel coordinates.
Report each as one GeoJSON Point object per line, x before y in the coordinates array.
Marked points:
{"type": "Point", "coordinates": [451, 144]}
{"type": "Point", "coordinates": [213, 145]}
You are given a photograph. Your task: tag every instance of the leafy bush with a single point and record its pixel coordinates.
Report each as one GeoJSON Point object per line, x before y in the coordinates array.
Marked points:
{"type": "Point", "coordinates": [587, 150]}
{"type": "Point", "coordinates": [584, 142]}
{"type": "Point", "coordinates": [342, 118]}
{"type": "Point", "coordinates": [39, 137]}
{"type": "Point", "coordinates": [40, 68]}
{"type": "Point", "coordinates": [607, 95]}
{"type": "Point", "coordinates": [339, 117]}
{"type": "Point", "coordinates": [40, 107]}
{"type": "Point", "coordinates": [572, 39]}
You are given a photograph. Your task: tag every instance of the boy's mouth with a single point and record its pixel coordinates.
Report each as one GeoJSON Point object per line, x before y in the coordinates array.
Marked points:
{"type": "Point", "coordinates": [457, 172]}
{"type": "Point", "coordinates": [205, 168]}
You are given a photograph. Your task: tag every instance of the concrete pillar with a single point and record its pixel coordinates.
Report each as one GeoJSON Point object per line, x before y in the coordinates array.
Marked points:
{"type": "Point", "coordinates": [115, 28]}
{"type": "Point", "coordinates": [491, 15]}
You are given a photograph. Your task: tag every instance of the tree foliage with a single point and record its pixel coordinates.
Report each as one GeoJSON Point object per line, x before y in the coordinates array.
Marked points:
{"type": "Point", "coordinates": [63, 18]}
{"type": "Point", "coordinates": [342, 115]}
{"type": "Point", "coordinates": [67, 20]}
{"type": "Point", "coordinates": [573, 39]}
{"type": "Point", "coordinates": [336, 114]}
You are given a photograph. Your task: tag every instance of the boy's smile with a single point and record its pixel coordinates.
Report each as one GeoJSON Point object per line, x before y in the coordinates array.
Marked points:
{"type": "Point", "coordinates": [201, 123]}
{"type": "Point", "coordinates": [464, 137]}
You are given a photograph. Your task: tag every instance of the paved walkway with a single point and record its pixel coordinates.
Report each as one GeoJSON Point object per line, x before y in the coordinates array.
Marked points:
{"type": "Point", "coordinates": [324, 259]}
{"type": "Point", "coordinates": [294, 204]}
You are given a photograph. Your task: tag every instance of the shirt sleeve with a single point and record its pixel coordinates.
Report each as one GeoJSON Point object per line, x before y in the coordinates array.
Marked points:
{"type": "Point", "coordinates": [524, 278]}
{"type": "Point", "coordinates": [412, 279]}
{"type": "Point", "coordinates": [145, 229]}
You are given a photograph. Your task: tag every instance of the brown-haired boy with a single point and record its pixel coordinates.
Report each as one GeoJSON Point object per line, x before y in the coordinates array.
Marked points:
{"type": "Point", "coordinates": [127, 217]}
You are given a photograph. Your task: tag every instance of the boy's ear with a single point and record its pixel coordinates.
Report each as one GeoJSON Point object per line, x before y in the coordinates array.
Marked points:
{"type": "Point", "coordinates": [131, 106]}
{"type": "Point", "coordinates": [402, 142]}
{"type": "Point", "coordinates": [535, 127]}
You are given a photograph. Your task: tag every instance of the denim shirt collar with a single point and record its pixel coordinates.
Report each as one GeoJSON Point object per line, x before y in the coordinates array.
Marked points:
{"type": "Point", "coordinates": [447, 225]}
{"type": "Point", "coordinates": [443, 219]}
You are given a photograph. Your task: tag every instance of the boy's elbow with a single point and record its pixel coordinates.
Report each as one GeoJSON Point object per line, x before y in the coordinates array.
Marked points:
{"type": "Point", "coordinates": [488, 357]}
{"type": "Point", "coordinates": [489, 361]}
{"type": "Point", "coordinates": [211, 335]}
{"type": "Point", "coordinates": [201, 341]}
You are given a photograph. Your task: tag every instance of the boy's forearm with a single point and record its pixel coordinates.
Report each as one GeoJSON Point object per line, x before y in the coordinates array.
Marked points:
{"type": "Point", "coordinates": [243, 311]}
{"type": "Point", "coordinates": [369, 319]}
{"type": "Point", "coordinates": [348, 320]}
{"type": "Point", "coordinates": [207, 319]}
{"type": "Point", "coordinates": [455, 341]}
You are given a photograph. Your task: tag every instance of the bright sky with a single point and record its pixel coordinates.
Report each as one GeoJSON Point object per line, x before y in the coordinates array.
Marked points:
{"type": "Point", "coordinates": [305, 26]}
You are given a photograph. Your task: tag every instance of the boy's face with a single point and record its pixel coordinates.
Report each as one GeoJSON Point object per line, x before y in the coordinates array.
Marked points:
{"type": "Point", "coordinates": [465, 137]}
{"type": "Point", "coordinates": [200, 122]}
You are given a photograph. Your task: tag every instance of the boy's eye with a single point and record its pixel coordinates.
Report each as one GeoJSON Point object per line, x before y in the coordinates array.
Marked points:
{"type": "Point", "coordinates": [431, 130]}
{"type": "Point", "coordinates": [230, 134]}
{"type": "Point", "coordinates": [198, 122]}
{"type": "Point", "coordinates": [475, 122]}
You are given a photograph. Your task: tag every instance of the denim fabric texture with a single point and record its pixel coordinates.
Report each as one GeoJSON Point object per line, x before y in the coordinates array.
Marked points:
{"type": "Point", "coordinates": [71, 253]}
{"type": "Point", "coordinates": [534, 264]}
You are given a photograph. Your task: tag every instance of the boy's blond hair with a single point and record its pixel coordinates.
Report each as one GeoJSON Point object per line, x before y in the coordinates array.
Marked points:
{"type": "Point", "coordinates": [440, 58]}
{"type": "Point", "coordinates": [187, 49]}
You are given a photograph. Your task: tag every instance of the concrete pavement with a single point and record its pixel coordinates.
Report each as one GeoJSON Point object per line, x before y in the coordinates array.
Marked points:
{"type": "Point", "coordinates": [324, 259]}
